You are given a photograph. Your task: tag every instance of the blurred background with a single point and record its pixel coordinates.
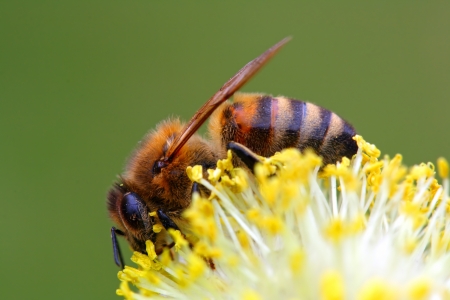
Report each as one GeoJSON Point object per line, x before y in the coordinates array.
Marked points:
{"type": "Point", "coordinates": [81, 82]}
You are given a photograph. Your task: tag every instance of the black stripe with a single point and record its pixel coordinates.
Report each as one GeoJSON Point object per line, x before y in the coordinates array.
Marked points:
{"type": "Point", "coordinates": [346, 139]}
{"type": "Point", "coordinates": [324, 137]}
{"type": "Point", "coordinates": [262, 118]}
{"type": "Point", "coordinates": [261, 135]}
{"type": "Point", "coordinates": [349, 130]}
{"type": "Point", "coordinates": [292, 132]}
{"type": "Point", "coordinates": [340, 145]}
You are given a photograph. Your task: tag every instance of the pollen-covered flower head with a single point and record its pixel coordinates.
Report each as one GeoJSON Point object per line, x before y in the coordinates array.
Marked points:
{"type": "Point", "coordinates": [365, 228]}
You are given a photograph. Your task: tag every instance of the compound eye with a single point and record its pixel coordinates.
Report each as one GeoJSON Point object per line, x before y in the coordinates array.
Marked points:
{"type": "Point", "coordinates": [159, 164]}
{"type": "Point", "coordinates": [133, 209]}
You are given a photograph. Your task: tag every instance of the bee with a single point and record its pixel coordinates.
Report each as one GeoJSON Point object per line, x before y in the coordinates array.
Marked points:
{"type": "Point", "coordinates": [155, 179]}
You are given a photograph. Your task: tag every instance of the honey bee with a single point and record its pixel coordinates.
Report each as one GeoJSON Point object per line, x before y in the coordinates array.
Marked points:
{"type": "Point", "coordinates": [155, 178]}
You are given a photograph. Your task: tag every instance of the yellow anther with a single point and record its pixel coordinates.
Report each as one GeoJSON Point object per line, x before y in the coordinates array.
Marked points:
{"type": "Point", "coordinates": [157, 228]}
{"type": "Point", "coordinates": [370, 149]}
{"type": "Point", "coordinates": [420, 288]}
{"type": "Point", "coordinates": [297, 259]}
{"type": "Point", "coordinates": [179, 240]}
{"type": "Point", "coordinates": [376, 289]}
{"type": "Point", "coordinates": [195, 173]}
{"type": "Point", "coordinates": [332, 286]}
{"type": "Point", "coordinates": [442, 165]}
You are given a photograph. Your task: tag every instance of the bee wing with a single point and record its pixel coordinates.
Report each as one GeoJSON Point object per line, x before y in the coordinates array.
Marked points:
{"type": "Point", "coordinates": [225, 92]}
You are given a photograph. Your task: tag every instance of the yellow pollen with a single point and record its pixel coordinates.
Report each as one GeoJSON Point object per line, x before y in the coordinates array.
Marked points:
{"type": "Point", "coordinates": [250, 295]}
{"type": "Point", "coordinates": [153, 278]}
{"type": "Point", "coordinates": [270, 190]}
{"type": "Point", "coordinates": [142, 260]}
{"type": "Point", "coordinates": [182, 280]}
{"type": "Point", "coordinates": [157, 228]}
{"type": "Point", "coordinates": [342, 171]}
{"type": "Point", "coordinates": [225, 180]}
{"type": "Point", "coordinates": [150, 248]}
{"type": "Point", "coordinates": [413, 211]}
{"type": "Point", "coordinates": [214, 175]}
{"type": "Point", "coordinates": [442, 167]}
{"type": "Point", "coordinates": [179, 240]}
{"type": "Point", "coordinates": [420, 289]}
{"type": "Point", "coordinates": [226, 164]}
{"type": "Point", "coordinates": [297, 260]}
{"type": "Point", "coordinates": [370, 149]}
{"type": "Point", "coordinates": [196, 266]}
{"type": "Point", "coordinates": [410, 245]}
{"type": "Point", "coordinates": [335, 230]}
{"type": "Point", "coordinates": [201, 217]}
{"type": "Point", "coordinates": [243, 239]}
{"type": "Point", "coordinates": [374, 167]}
{"type": "Point", "coordinates": [357, 225]}
{"type": "Point", "coordinates": [125, 291]}
{"type": "Point", "coordinates": [272, 224]}
{"type": "Point", "coordinates": [233, 261]}
{"type": "Point", "coordinates": [264, 170]}
{"type": "Point", "coordinates": [130, 274]}
{"type": "Point", "coordinates": [205, 250]}
{"type": "Point", "coordinates": [289, 192]}
{"type": "Point", "coordinates": [195, 173]}
{"type": "Point", "coordinates": [165, 257]}
{"type": "Point", "coordinates": [240, 181]}
{"type": "Point", "coordinates": [254, 214]}
{"type": "Point", "coordinates": [376, 289]}
{"type": "Point", "coordinates": [332, 286]}
{"type": "Point", "coordinates": [422, 170]}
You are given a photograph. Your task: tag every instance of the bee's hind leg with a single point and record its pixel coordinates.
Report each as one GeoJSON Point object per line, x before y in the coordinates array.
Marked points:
{"type": "Point", "coordinates": [249, 158]}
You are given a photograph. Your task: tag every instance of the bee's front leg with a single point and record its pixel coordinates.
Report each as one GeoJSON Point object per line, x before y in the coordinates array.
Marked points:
{"type": "Point", "coordinates": [168, 223]}
{"type": "Point", "coordinates": [118, 259]}
{"type": "Point", "coordinates": [166, 220]}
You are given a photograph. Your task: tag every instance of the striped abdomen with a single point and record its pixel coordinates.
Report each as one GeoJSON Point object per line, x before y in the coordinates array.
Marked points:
{"type": "Point", "coordinates": [267, 124]}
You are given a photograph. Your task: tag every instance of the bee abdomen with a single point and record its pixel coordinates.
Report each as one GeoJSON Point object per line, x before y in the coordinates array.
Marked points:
{"type": "Point", "coordinates": [326, 133]}
{"type": "Point", "coordinates": [268, 124]}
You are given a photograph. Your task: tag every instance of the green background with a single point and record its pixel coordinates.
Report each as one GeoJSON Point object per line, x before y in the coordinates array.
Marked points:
{"type": "Point", "coordinates": [82, 82]}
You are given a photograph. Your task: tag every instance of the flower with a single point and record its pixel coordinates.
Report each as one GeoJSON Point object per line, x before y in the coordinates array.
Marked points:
{"type": "Point", "coordinates": [365, 228]}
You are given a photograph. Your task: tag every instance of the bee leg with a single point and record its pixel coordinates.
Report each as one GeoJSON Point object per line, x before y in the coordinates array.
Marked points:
{"type": "Point", "coordinates": [211, 264]}
{"type": "Point", "coordinates": [168, 223]}
{"type": "Point", "coordinates": [245, 155]}
{"type": "Point", "coordinates": [118, 259]}
{"type": "Point", "coordinates": [166, 220]}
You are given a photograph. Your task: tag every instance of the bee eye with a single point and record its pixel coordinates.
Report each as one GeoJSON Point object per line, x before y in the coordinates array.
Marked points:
{"type": "Point", "coordinates": [159, 164]}
{"type": "Point", "coordinates": [132, 208]}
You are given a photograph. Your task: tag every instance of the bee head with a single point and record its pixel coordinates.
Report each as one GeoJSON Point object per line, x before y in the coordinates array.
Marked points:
{"type": "Point", "coordinates": [131, 214]}
{"type": "Point", "coordinates": [152, 184]}
{"type": "Point", "coordinates": [162, 183]}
